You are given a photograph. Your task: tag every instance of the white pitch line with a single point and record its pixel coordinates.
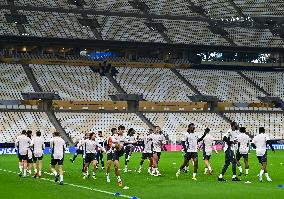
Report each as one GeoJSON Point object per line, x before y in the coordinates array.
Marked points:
{"type": "Point", "coordinates": [74, 185]}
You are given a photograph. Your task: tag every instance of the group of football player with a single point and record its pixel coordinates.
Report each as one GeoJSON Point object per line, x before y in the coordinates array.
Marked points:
{"type": "Point", "coordinates": [237, 144]}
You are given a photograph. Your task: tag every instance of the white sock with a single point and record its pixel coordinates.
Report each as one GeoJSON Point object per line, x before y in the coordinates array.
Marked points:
{"type": "Point", "coordinates": [194, 175]}
{"type": "Point", "coordinates": [185, 168]}
{"type": "Point", "coordinates": [25, 172]}
{"type": "Point", "coordinates": [206, 169]}
{"type": "Point", "coordinates": [21, 169]}
{"type": "Point", "coordinates": [266, 175]}
{"type": "Point", "coordinates": [39, 173]}
{"type": "Point", "coordinates": [61, 178]}
{"type": "Point", "coordinates": [240, 169]}
{"type": "Point", "coordinates": [125, 167]}
{"type": "Point", "coordinates": [234, 176]}
{"type": "Point", "coordinates": [220, 176]}
{"type": "Point", "coordinates": [140, 167]}
{"type": "Point", "coordinates": [54, 173]}
{"type": "Point", "coordinates": [87, 172]}
{"type": "Point", "coordinates": [94, 173]}
{"type": "Point", "coordinates": [247, 171]}
{"type": "Point", "coordinates": [261, 172]}
{"type": "Point", "coordinates": [35, 170]}
{"type": "Point", "coordinates": [118, 178]}
{"type": "Point", "coordinates": [209, 167]}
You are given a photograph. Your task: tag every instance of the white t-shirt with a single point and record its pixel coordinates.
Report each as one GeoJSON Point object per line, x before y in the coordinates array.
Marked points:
{"type": "Point", "coordinates": [260, 143]}
{"type": "Point", "coordinates": [130, 140]}
{"type": "Point", "coordinates": [157, 140]}
{"type": "Point", "coordinates": [38, 146]}
{"type": "Point", "coordinates": [57, 145]}
{"type": "Point", "coordinates": [208, 141]}
{"type": "Point", "coordinates": [90, 146]}
{"type": "Point", "coordinates": [23, 143]}
{"type": "Point", "coordinates": [191, 142]}
{"type": "Point", "coordinates": [115, 139]}
{"type": "Point", "coordinates": [147, 144]}
{"type": "Point", "coordinates": [232, 135]}
{"type": "Point", "coordinates": [243, 140]}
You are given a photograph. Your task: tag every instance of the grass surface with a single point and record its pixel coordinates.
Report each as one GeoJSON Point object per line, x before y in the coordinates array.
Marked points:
{"type": "Point", "coordinates": [143, 185]}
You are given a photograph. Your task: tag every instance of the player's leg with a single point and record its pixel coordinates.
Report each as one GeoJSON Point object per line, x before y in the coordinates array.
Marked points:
{"type": "Point", "coordinates": [21, 165]}
{"type": "Point", "coordinates": [264, 167]}
{"type": "Point", "coordinates": [60, 169]}
{"type": "Point", "coordinates": [195, 160]}
{"type": "Point", "coordinates": [109, 161]}
{"type": "Point", "coordinates": [246, 164]}
{"type": "Point", "coordinates": [116, 170]}
{"type": "Point", "coordinates": [86, 169]}
{"type": "Point", "coordinates": [102, 160]}
{"type": "Point", "coordinates": [98, 158]}
{"type": "Point", "coordinates": [74, 156]}
{"type": "Point", "coordinates": [226, 165]}
{"type": "Point", "coordinates": [25, 166]}
{"type": "Point", "coordinates": [95, 162]}
{"type": "Point", "coordinates": [35, 166]}
{"type": "Point", "coordinates": [141, 162]}
{"type": "Point", "coordinates": [185, 162]}
{"type": "Point", "coordinates": [39, 166]}
{"type": "Point", "coordinates": [53, 170]}
{"type": "Point", "coordinates": [155, 164]}
{"type": "Point", "coordinates": [126, 160]}
{"type": "Point", "coordinates": [234, 167]}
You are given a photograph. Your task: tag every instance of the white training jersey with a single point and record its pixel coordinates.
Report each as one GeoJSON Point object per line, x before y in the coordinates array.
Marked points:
{"type": "Point", "coordinates": [101, 141]}
{"type": "Point", "coordinates": [208, 141]}
{"type": "Point", "coordinates": [57, 145]}
{"type": "Point", "coordinates": [115, 139]}
{"type": "Point", "coordinates": [90, 146]}
{"type": "Point", "coordinates": [243, 140]}
{"type": "Point", "coordinates": [232, 135]}
{"type": "Point", "coordinates": [38, 146]}
{"type": "Point", "coordinates": [130, 140]}
{"type": "Point", "coordinates": [260, 143]}
{"type": "Point", "coordinates": [23, 143]}
{"type": "Point", "coordinates": [191, 142]}
{"type": "Point", "coordinates": [147, 144]}
{"type": "Point", "coordinates": [157, 140]}
{"type": "Point", "coordinates": [30, 153]}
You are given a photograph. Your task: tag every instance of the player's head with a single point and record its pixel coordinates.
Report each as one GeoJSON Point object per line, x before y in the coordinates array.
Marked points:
{"type": "Point", "coordinates": [38, 133]}
{"type": "Point", "coordinates": [234, 126]}
{"type": "Point", "coordinates": [261, 130]}
{"type": "Point", "coordinates": [100, 133]}
{"type": "Point", "coordinates": [157, 129]}
{"type": "Point", "coordinates": [191, 128]}
{"type": "Point", "coordinates": [24, 132]}
{"type": "Point", "coordinates": [242, 129]}
{"type": "Point", "coordinates": [29, 133]}
{"type": "Point", "coordinates": [56, 134]}
{"type": "Point", "coordinates": [150, 131]}
{"type": "Point", "coordinates": [92, 136]}
{"type": "Point", "coordinates": [131, 132]}
{"type": "Point", "coordinates": [121, 129]}
{"type": "Point", "coordinates": [207, 130]}
{"type": "Point", "coordinates": [113, 131]}
{"type": "Point", "coordinates": [87, 135]}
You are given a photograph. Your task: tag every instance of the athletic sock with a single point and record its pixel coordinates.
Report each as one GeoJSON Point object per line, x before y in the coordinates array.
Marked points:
{"type": "Point", "coordinates": [35, 170]}
{"type": "Point", "coordinates": [247, 171]}
{"type": "Point", "coordinates": [261, 172]}
{"type": "Point", "coordinates": [209, 167]}
{"type": "Point", "coordinates": [266, 175]}
{"type": "Point", "coordinates": [194, 175]}
{"type": "Point", "coordinates": [240, 169]}
{"type": "Point", "coordinates": [54, 173]}
{"type": "Point", "coordinates": [94, 173]}
{"type": "Point", "coordinates": [39, 173]}
{"type": "Point", "coordinates": [61, 178]}
{"type": "Point", "coordinates": [206, 169]}
{"type": "Point", "coordinates": [25, 172]}
{"type": "Point", "coordinates": [185, 168]}
{"type": "Point", "coordinates": [21, 169]}
{"type": "Point", "coordinates": [118, 179]}
{"type": "Point", "coordinates": [234, 176]}
{"type": "Point", "coordinates": [220, 176]}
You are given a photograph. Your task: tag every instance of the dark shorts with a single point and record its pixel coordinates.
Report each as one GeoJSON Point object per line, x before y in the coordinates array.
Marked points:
{"type": "Point", "coordinates": [206, 157]}
{"type": "Point", "coordinates": [23, 157]}
{"type": "Point", "coordinates": [239, 156]}
{"type": "Point", "coordinates": [79, 151]}
{"type": "Point", "coordinates": [90, 157]}
{"type": "Point", "coordinates": [54, 162]}
{"type": "Point", "coordinates": [30, 161]}
{"type": "Point", "coordinates": [157, 153]}
{"type": "Point", "coordinates": [262, 159]}
{"type": "Point", "coordinates": [127, 150]}
{"type": "Point", "coordinates": [147, 155]}
{"type": "Point", "coordinates": [37, 158]}
{"type": "Point", "coordinates": [114, 155]}
{"type": "Point", "coordinates": [190, 155]}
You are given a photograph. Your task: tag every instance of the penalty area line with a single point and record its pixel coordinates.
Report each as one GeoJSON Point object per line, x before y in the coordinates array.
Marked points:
{"type": "Point", "coordinates": [78, 186]}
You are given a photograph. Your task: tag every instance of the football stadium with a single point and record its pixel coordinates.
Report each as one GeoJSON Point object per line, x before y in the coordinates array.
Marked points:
{"type": "Point", "coordinates": [141, 99]}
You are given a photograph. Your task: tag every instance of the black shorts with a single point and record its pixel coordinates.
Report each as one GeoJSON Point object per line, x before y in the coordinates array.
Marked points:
{"type": "Point", "coordinates": [37, 158]}
{"type": "Point", "coordinates": [89, 157]}
{"type": "Point", "coordinates": [79, 151]}
{"type": "Point", "coordinates": [30, 161]}
{"type": "Point", "coordinates": [205, 156]}
{"type": "Point", "coordinates": [239, 156]}
{"type": "Point", "coordinates": [114, 155]}
{"type": "Point", "coordinates": [157, 153]}
{"type": "Point", "coordinates": [23, 157]}
{"type": "Point", "coordinates": [54, 162]}
{"type": "Point", "coordinates": [147, 155]}
{"type": "Point", "coordinates": [190, 155]}
{"type": "Point", "coordinates": [127, 150]}
{"type": "Point", "coordinates": [262, 159]}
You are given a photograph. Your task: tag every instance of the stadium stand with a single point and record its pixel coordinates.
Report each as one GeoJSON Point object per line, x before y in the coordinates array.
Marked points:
{"type": "Point", "coordinates": [13, 81]}
{"type": "Point", "coordinates": [73, 82]}
{"type": "Point", "coordinates": [272, 82]}
{"type": "Point", "coordinates": [7, 28]}
{"type": "Point", "coordinates": [77, 124]}
{"type": "Point", "coordinates": [12, 123]}
{"type": "Point", "coordinates": [155, 84]}
{"type": "Point", "coordinates": [175, 124]}
{"type": "Point", "coordinates": [226, 85]}
{"type": "Point", "coordinates": [272, 122]}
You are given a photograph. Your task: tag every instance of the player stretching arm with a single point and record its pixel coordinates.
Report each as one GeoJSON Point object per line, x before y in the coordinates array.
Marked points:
{"type": "Point", "coordinates": [243, 149]}
{"type": "Point", "coordinates": [147, 152]}
{"type": "Point", "coordinates": [37, 147]}
{"type": "Point", "coordinates": [130, 140]}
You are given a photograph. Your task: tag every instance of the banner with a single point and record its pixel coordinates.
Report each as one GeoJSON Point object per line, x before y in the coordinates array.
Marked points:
{"type": "Point", "coordinates": [10, 151]}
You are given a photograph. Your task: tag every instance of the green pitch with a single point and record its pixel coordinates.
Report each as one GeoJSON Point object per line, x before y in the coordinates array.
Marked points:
{"type": "Point", "coordinates": [143, 185]}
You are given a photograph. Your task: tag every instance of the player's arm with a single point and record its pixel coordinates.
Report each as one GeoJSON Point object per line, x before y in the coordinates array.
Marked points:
{"type": "Point", "coordinates": [207, 130]}
{"type": "Point", "coordinates": [269, 142]}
